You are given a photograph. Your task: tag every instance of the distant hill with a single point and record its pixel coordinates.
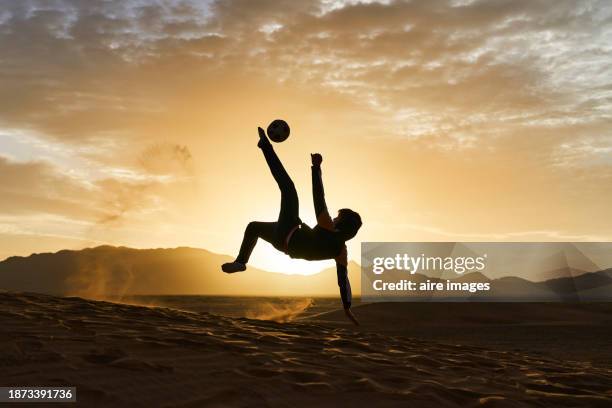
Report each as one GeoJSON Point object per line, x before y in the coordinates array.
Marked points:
{"type": "Point", "coordinates": [511, 287]}
{"type": "Point", "coordinates": [586, 286]}
{"type": "Point", "coordinates": [115, 271]}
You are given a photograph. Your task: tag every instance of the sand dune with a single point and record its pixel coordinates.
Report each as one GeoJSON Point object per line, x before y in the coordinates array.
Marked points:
{"type": "Point", "coordinates": [139, 356]}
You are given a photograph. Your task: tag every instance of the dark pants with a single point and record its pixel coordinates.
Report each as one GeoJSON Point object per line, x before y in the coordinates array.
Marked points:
{"type": "Point", "coordinates": [288, 217]}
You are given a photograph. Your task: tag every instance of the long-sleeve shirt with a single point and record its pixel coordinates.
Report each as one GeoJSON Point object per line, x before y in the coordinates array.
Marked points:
{"type": "Point", "coordinates": [322, 241]}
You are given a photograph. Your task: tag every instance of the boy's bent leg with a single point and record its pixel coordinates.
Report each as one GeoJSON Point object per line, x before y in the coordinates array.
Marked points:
{"type": "Point", "coordinates": [253, 231]}
{"type": "Point", "coordinates": [232, 267]}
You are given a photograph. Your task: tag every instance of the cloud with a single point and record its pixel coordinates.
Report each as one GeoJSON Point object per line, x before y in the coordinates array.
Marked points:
{"type": "Point", "coordinates": [86, 70]}
{"type": "Point", "coordinates": [154, 97]}
{"type": "Point", "coordinates": [38, 197]}
{"type": "Point", "coordinates": [166, 158]}
{"type": "Point", "coordinates": [33, 187]}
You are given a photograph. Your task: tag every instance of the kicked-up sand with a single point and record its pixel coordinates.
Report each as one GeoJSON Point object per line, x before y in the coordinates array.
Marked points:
{"type": "Point", "coordinates": [124, 355]}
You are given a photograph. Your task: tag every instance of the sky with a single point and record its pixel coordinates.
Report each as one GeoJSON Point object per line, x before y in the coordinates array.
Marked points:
{"type": "Point", "coordinates": [135, 122]}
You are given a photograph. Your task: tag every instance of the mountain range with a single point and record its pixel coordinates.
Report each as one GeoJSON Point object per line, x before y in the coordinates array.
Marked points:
{"type": "Point", "coordinates": [106, 271]}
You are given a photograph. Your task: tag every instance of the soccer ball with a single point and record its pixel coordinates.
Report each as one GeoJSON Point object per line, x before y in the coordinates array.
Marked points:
{"type": "Point", "coordinates": [278, 130]}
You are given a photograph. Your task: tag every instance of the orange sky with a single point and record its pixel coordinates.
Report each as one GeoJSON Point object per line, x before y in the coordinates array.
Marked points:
{"type": "Point", "coordinates": [442, 120]}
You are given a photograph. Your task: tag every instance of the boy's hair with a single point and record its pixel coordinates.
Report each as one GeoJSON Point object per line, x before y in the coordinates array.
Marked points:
{"type": "Point", "coordinates": [348, 223]}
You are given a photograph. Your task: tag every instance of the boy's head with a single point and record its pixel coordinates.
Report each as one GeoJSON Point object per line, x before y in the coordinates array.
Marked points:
{"type": "Point", "coordinates": [348, 223]}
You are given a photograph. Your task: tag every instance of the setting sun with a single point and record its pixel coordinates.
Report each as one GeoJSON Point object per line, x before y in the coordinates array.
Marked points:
{"type": "Point", "coordinates": [313, 203]}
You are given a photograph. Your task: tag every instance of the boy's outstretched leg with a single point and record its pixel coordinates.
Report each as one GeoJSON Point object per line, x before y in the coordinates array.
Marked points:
{"type": "Point", "coordinates": [253, 231]}
{"type": "Point", "coordinates": [276, 167]}
{"type": "Point", "coordinates": [288, 216]}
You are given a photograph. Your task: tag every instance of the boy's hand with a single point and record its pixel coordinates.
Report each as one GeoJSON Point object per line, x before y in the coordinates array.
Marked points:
{"type": "Point", "coordinates": [316, 159]}
{"type": "Point", "coordinates": [351, 316]}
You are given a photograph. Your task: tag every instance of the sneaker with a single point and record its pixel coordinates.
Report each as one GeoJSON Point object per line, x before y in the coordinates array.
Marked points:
{"type": "Point", "coordinates": [231, 267]}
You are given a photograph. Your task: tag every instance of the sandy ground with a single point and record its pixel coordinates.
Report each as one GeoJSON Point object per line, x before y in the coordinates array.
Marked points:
{"type": "Point", "coordinates": [575, 331]}
{"type": "Point", "coordinates": [122, 355]}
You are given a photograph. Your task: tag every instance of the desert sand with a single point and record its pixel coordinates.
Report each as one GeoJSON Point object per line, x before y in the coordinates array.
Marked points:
{"type": "Point", "coordinates": [577, 331]}
{"type": "Point", "coordinates": [126, 355]}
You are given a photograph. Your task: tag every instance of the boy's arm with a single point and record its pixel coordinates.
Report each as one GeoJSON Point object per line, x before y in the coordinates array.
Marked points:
{"type": "Point", "coordinates": [345, 285]}
{"type": "Point", "coordinates": [318, 194]}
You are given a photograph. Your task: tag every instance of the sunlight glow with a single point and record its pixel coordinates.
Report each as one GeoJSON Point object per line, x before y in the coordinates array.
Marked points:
{"type": "Point", "coordinates": [266, 257]}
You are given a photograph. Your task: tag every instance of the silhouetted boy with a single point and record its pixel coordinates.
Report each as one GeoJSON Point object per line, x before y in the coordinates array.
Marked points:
{"type": "Point", "coordinates": [296, 239]}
